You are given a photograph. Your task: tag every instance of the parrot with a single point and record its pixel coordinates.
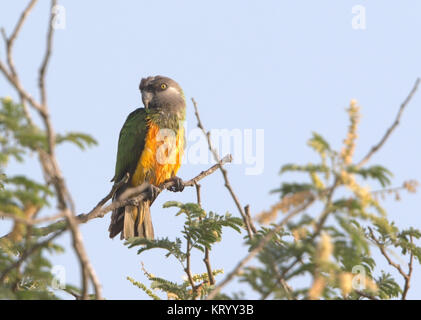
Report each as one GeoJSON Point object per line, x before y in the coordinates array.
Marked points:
{"type": "Point", "coordinates": [150, 148]}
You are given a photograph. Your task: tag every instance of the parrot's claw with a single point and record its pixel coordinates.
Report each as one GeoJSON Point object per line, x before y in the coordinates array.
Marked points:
{"type": "Point", "coordinates": [178, 184]}
{"type": "Point", "coordinates": [152, 192]}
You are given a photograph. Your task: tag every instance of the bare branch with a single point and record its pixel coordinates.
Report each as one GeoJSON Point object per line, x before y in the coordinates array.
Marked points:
{"type": "Point", "coordinates": [47, 55]}
{"type": "Point", "coordinates": [223, 171]}
{"type": "Point", "coordinates": [187, 269]}
{"type": "Point", "coordinates": [206, 259]}
{"type": "Point", "coordinates": [10, 41]}
{"type": "Point", "coordinates": [409, 274]}
{"type": "Point", "coordinates": [389, 131]}
{"type": "Point", "coordinates": [249, 219]}
{"type": "Point", "coordinates": [30, 222]}
{"type": "Point", "coordinates": [18, 87]}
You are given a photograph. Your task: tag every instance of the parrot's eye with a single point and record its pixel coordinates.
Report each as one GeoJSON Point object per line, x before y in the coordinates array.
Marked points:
{"type": "Point", "coordinates": [163, 86]}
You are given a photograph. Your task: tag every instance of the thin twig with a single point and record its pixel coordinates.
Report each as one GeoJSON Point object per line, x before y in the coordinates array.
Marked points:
{"type": "Point", "coordinates": [280, 280]}
{"type": "Point", "coordinates": [223, 171]}
{"type": "Point", "coordinates": [249, 219]}
{"type": "Point", "coordinates": [406, 276]}
{"type": "Point", "coordinates": [389, 131]}
{"type": "Point", "coordinates": [19, 88]}
{"type": "Point", "coordinates": [46, 60]}
{"type": "Point", "coordinates": [206, 259]}
{"type": "Point", "coordinates": [187, 269]}
{"type": "Point", "coordinates": [409, 274]}
{"type": "Point", "coordinates": [10, 41]}
{"type": "Point", "coordinates": [31, 222]}
{"type": "Point", "coordinates": [385, 254]}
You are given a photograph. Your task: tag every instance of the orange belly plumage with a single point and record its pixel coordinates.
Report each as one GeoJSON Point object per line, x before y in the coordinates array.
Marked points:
{"type": "Point", "coordinates": [161, 156]}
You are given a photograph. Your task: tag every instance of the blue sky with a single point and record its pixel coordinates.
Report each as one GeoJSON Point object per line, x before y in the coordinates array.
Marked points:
{"type": "Point", "coordinates": [288, 67]}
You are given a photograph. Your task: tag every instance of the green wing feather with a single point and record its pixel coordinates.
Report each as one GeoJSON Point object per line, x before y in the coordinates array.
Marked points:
{"type": "Point", "coordinates": [130, 143]}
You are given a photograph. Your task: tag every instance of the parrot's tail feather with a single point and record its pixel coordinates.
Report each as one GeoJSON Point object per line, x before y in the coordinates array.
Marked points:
{"type": "Point", "coordinates": [130, 217]}
{"type": "Point", "coordinates": [132, 221]}
{"type": "Point", "coordinates": [144, 222]}
{"type": "Point", "coordinates": [138, 222]}
{"type": "Point", "coordinates": [117, 217]}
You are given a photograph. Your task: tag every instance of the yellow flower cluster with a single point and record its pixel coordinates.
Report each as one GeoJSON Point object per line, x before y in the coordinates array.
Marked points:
{"type": "Point", "coordinates": [345, 282]}
{"type": "Point", "coordinates": [286, 203]}
{"type": "Point", "coordinates": [362, 193]}
{"type": "Point", "coordinates": [370, 284]}
{"type": "Point", "coordinates": [325, 248]}
{"type": "Point", "coordinates": [347, 151]}
{"type": "Point", "coordinates": [299, 233]}
{"type": "Point", "coordinates": [317, 288]}
{"type": "Point", "coordinates": [411, 185]}
{"type": "Point", "coordinates": [346, 286]}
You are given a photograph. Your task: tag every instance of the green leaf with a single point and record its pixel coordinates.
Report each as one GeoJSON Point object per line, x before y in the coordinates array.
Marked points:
{"type": "Point", "coordinates": [291, 188]}
{"type": "Point", "coordinates": [388, 287]}
{"type": "Point", "coordinates": [173, 247]}
{"type": "Point", "coordinates": [379, 173]}
{"type": "Point", "coordinates": [318, 143]}
{"type": "Point", "coordinates": [82, 140]}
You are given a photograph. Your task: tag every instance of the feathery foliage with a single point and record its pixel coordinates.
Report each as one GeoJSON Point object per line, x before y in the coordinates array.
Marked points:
{"type": "Point", "coordinates": [200, 232]}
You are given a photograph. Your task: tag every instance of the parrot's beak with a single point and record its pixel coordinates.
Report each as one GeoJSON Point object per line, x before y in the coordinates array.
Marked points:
{"type": "Point", "coordinates": [146, 98]}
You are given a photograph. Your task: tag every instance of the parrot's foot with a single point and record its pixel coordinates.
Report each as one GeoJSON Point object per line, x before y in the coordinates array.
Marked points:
{"type": "Point", "coordinates": [152, 192]}
{"type": "Point", "coordinates": [178, 184]}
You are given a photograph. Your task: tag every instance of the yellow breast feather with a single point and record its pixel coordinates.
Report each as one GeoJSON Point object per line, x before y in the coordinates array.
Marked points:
{"type": "Point", "coordinates": [161, 156]}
